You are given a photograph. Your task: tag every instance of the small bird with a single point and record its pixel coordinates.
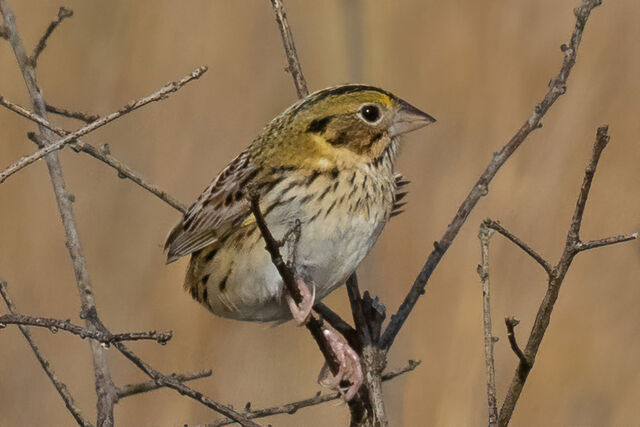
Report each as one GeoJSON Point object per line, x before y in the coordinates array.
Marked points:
{"type": "Point", "coordinates": [325, 163]}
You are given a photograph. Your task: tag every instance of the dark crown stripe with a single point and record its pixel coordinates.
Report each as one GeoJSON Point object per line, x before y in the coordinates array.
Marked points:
{"type": "Point", "coordinates": [335, 91]}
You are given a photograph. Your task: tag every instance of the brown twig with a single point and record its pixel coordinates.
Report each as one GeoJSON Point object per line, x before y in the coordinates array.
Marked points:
{"type": "Point", "coordinates": [290, 49]}
{"type": "Point", "coordinates": [159, 95]}
{"type": "Point", "coordinates": [63, 13]}
{"type": "Point", "coordinates": [105, 389]}
{"type": "Point", "coordinates": [78, 115]}
{"type": "Point", "coordinates": [133, 389]}
{"type": "Point", "coordinates": [489, 340]}
{"type": "Point", "coordinates": [314, 324]}
{"type": "Point", "coordinates": [293, 407]}
{"type": "Point", "coordinates": [54, 325]}
{"type": "Point", "coordinates": [573, 246]}
{"type": "Point", "coordinates": [495, 225]}
{"type": "Point", "coordinates": [104, 155]}
{"type": "Point", "coordinates": [61, 387]}
{"type": "Point", "coordinates": [558, 86]}
{"type": "Point", "coordinates": [172, 382]}
{"type": "Point", "coordinates": [511, 323]}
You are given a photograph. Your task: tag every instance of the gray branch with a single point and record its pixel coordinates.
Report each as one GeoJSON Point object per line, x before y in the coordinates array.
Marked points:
{"type": "Point", "coordinates": [61, 387]}
{"type": "Point", "coordinates": [557, 87]}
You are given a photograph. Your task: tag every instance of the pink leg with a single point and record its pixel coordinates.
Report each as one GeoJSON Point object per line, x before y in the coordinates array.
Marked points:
{"type": "Point", "coordinates": [350, 369]}
{"type": "Point", "coordinates": [302, 311]}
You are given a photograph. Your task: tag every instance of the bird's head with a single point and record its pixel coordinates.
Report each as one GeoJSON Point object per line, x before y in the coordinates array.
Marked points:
{"type": "Point", "coordinates": [339, 126]}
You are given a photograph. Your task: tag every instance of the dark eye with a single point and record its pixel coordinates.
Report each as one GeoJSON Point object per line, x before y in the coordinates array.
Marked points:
{"type": "Point", "coordinates": [370, 113]}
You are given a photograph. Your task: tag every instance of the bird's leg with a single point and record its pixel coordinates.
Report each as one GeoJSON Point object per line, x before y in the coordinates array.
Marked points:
{"type": "Point", "coordinates": [301, 312]}
{"type": "Point", "coordinates": [350, 369]}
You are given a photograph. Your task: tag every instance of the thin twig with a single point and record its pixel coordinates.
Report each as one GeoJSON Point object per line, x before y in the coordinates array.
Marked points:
{"type": "Point", "coordinates": [55, 324]}
{"type": "Point", "coordinates": [314, 325]}
{"type": "Point", "coordinates": [172, 382]}
{"type": "Point", "coordinates": [290, 49]}
{"type": "Point", "coordinates": [511, 323]}
{"type": "Point", "coordinates": [61, 387]}
{"type": "Point", "coordinates": [63, 13]}
{"type": "Point", "coordinates": [133, 389]}
{"type": "Point", "coordinates": [105, 389]}
{"type": "Point", "coordinates": [483, 271]}
{"type": "Point", "coordinates": [558, 87]}
{"type": "Point", "coordinates": [592, 244]}
{"type": "Point", "coordinates": [573, 246]}
{"type": "Point", "coordinates": [104, 155]}
{"type": "Point", "coordinates": [495, 225]}
{"type": "Point", "coordinates": [78, 115]}
{"type": "Point", "coordinates": [339, 324]}
{"type": "Point", "coordinates": [159, 95]}
{"type": "Point", "coordinates": [293, 407]}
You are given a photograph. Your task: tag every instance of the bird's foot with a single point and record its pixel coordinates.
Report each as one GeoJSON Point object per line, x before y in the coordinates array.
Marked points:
{"type": "Point", "coordinates": [301, 312]}
{"type": "Point", "coordinates": [350, 369]}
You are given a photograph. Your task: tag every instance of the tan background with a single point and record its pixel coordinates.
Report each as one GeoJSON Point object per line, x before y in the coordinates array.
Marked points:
{"type": "Point", "coordinates": [479, 69]}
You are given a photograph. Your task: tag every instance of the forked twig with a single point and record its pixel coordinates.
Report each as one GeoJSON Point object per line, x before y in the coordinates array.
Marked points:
{"type": "Point", "coordinates": [65, 325]}
{"type": "Point", "coordinates": [557, 87]}
{"type": "Point", "coordinates": [159, 95]}
{"type": "Point", "coordinates": [293, 407]}
{"type": "Point", "coordinates": [573, 246]}
{"type": "Point", "coordinates": [61, 387]}
{"type": "Point", "coordinates": [63, 13]}
{"type": "Point", "coordinates": [133, 389]}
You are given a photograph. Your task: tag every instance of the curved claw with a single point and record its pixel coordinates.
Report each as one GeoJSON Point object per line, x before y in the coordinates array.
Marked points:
{"type": "Point", "coordinates": [350, 369]}
{"type": "Point", "coordinates": [301, 312]}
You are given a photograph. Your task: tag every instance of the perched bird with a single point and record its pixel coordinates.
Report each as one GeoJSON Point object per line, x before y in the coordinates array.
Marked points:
{"type": "Point", "coordinates": [328, 162]}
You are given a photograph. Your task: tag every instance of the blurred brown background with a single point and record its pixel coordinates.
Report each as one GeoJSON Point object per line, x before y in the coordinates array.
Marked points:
{"type": "Point", "coordinates": [478, 67]}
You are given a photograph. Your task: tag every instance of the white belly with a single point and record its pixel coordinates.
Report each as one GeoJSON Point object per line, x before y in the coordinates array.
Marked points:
{"type": "Point", "coordinates": [330, 247]}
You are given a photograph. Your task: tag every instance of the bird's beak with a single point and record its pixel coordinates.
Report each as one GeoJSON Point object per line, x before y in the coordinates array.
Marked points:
{"type": "Point", "coordinates": [408, 118]}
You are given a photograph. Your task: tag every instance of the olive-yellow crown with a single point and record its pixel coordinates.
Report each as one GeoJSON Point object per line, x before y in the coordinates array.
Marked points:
{"type": "Point", "coordinates": [336, 126]}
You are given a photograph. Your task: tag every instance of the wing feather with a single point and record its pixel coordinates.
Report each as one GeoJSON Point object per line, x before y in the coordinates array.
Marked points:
{"type": "Point", "coordinates": [219, 206]}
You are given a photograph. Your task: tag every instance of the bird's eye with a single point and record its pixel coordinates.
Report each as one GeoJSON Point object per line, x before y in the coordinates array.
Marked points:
{"type": "Point", "coordinates": [370, 113]}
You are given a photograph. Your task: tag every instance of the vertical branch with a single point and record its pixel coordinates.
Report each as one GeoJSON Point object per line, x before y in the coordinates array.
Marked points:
{"type": "Point", "coordinates": [483, 271]}
{"type": "Point", "coordinates": [105, 388]}
{"type": "Point", "coordinates": [290, 49]}
{"type": "Point", "coordinates": [572, 247]}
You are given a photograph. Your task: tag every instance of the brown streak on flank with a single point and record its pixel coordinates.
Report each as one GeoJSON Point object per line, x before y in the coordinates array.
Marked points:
{"type": "Point", "coordinates": [223, 283]}
{"type": "Point", "coordinates": [324, 193]}
{"type": "Point", "coordinates": [353, 178]}
{"type": "Point", "coordinates": [314, 217]}
{"type": "Point", "coordinates": [208, 257]}
{"type": "Point", "coordinates": [314, 175]}
{"type": "Point", "coordinates": [334, 173]}
{"type": "Point", "coordinates": [330, 208]}
{"type": "Point", "coordinates": [205, 295]}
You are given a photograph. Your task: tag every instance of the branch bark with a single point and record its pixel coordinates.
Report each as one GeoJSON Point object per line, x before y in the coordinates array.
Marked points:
{"type": "Point", "coordinates": [54, 145]}
{"type": "Point", "coordinates": [573, 246]}
{"type": "Point", "coordinates": [558, 87]}
{"type": "Point", "coordinates": [61, 387]}
{"type": "Point", "coordinates": [483, 271]}
{"type": "Point", "coordinates": [105, 388]}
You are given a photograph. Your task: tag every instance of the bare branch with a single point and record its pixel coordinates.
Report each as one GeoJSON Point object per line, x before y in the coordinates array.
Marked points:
{"type": "Point", "coordinates": [103, 155]}
{"type": "Point", "coordinates": [105, 389]}
{"type": "Point", "coordinates": [172, 382]}
{"type": "Point", "coordinates": [78, 115]}
{"type": "Point", "coordinates": [159, 95]}
{"type": "Point", "coordinates": [61, 387]}
{"type": "Point", "coordinates": [558, 87]}
{"type": "Point", "coordinates": [133, 389]}
{"type": "Point", "coordinates": [483, 271]}
{"type": "Point", "coordinates": [511, 323]}
{"type": "Point", "coordinates": [314, 325]}
{"type": "Point", "coordinates": [54, 325]}
{"type": "Point", "coordinates": [293, 407]}
{"type": "Point", "coordinates": [495, 225]}
{"type": "Point", "coordinates": [583, 246]}
{"type": "Point", "coordinates": [290, 49]}
{"type": "Point", "coordinates": [339, 324]}
{"type": "Point", "coordinates": [572, 248]}
{"type": "Point", "coordinates": [63, 13]}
